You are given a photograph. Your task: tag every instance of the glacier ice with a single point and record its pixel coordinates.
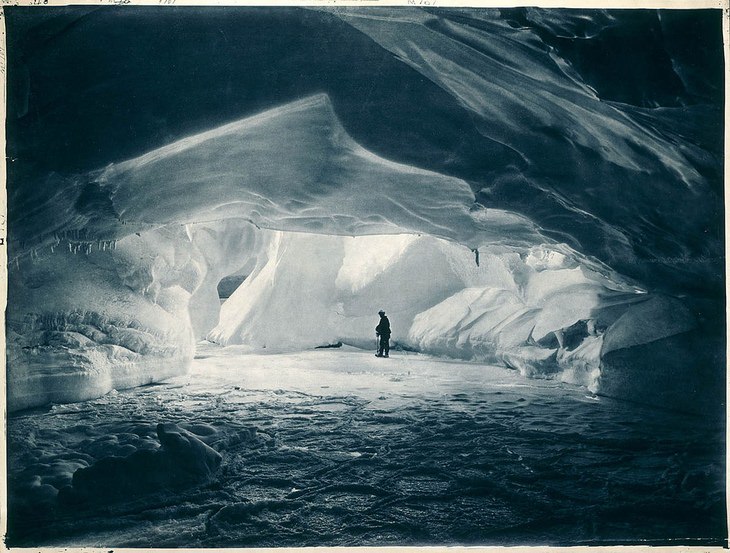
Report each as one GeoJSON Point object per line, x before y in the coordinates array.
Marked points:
{"type": "Point", "coordinates": [546, 237]}
{"type": "Point", "coordinates": [168, 248]}
{"type": "Point", "coordinates": [577, 148]}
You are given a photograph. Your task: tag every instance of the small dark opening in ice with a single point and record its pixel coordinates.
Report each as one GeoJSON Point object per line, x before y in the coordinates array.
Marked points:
{"type": "Point", "coordinates": [229, 284]}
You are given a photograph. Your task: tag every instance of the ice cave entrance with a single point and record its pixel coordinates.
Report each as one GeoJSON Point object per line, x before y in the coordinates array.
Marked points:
{"type": "Point", "coordinates": [542, 310]}
{"type": "Point", "coordinates": [303, 290]}
{"type": "Point", "coordinates": [134, 313]}
{"type": "Point", "coordinates": [531, 309]}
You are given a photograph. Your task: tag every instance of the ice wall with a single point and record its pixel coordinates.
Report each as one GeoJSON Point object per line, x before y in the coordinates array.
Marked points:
{"type": "Point", "coordinates": [81, 323]}
{"type": "Point", "coordinates": [227, 247]}
{"type": "Point", "coordinates": [88, 317]}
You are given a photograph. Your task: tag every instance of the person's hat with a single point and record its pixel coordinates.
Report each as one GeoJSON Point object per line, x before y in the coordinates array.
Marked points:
{"type": "Point", "coordinates": [381, 312]}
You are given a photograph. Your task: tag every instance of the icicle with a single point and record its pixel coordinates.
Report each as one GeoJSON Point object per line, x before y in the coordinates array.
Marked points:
{"type": "Point", "coordinates": [69, 248]}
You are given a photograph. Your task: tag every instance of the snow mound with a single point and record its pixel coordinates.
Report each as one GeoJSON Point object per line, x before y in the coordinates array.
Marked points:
{"type": "Point", "coordinates": [182, 461]}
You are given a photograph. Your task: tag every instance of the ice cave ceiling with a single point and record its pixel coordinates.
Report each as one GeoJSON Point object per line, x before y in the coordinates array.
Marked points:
{"type": "Point", "coordinates": [590, 135]}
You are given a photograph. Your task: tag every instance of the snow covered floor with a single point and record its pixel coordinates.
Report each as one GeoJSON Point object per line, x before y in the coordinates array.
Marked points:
{"type": "Point", "coordinates": [336, 447]}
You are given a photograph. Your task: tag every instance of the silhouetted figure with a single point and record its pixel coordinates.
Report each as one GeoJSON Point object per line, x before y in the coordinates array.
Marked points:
{"type": "Point", "coordinates": [383, 332]}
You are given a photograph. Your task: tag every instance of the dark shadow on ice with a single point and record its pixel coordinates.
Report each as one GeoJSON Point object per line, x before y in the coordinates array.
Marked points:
{"type": "Point", "coordinates": [327, 346]}
{"type": "Point", "coordinates": [182, 461]}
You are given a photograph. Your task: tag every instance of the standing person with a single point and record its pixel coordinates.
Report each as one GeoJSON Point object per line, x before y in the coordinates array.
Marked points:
{"type": "Point", "coordinates": [383, 332]}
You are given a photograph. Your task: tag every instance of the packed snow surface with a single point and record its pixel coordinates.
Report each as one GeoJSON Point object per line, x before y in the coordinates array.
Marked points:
{"type": "Point", "coordinates": [335, 447]}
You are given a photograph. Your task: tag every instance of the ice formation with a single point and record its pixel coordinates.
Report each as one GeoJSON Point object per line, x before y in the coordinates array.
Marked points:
{"type": "Point", "coordinates": [183, 460]}
{"type": "Point", "coordinates": [544, 236]}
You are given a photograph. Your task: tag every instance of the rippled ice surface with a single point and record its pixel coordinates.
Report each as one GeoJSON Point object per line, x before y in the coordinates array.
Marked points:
{"type": "Point", "coordinates": [336, 447]}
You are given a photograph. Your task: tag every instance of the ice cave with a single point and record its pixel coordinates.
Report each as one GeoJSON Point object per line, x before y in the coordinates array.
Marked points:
{"type": "Point", "coordinates": [520, 201]}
